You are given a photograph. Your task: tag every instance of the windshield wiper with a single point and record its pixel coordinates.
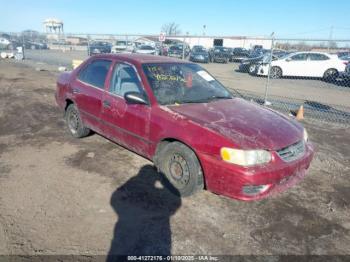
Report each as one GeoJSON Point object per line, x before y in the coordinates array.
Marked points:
{"type": "Point", "coordinates": [205, 100]}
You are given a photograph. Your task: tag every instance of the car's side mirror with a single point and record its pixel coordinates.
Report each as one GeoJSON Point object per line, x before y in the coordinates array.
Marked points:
{"type": "Point", "coordinates": [135, 98]}
{"type": "Point", "coordinates": [288, 60]}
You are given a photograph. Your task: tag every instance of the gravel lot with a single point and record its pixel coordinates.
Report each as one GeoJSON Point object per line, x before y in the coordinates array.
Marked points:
{"type": "Point", "coordinates": [59, 195]}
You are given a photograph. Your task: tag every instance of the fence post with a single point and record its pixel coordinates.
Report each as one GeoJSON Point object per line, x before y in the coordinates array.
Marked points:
{"type": "Point", "coordinates": [183, 49]}
{"type": "Point", "coordinates": [268, 71]}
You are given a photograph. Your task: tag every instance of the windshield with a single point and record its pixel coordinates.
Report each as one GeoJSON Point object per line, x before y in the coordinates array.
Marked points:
{"type": "Point", "coordinates": [174, 48]}
{"type": "Point", "coordinates": [146, 47]}
{"type": "Point", "coordinates": [121, 43]}
{"type": "Point", "coordinates": [199, 49]}
{"type": "Point", "coordinates": [176, 83]}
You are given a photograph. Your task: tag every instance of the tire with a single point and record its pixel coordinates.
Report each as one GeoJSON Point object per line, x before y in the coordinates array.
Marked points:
{"type": "Point", "coordinates": [330, 75]}
{"type": "Point", "coordinates": [181, 167]}
{"type": "Point", "coordinates": [251, 69]}
{"type": "Point", "coordinates": [275, 72]}
{"type": "Point", "coordinates": [74, 123]}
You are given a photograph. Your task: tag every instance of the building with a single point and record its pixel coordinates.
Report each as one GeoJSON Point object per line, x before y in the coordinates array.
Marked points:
{"type": "Point", "coordinates": [209, 41]}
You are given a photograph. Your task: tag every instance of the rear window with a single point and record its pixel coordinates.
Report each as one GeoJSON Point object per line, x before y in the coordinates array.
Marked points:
{"type": "Point", "coordinates": [95, 73]}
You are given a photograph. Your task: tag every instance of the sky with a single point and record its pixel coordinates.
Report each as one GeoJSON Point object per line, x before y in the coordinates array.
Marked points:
{"type": "Point", "coordinates": [288, 18]}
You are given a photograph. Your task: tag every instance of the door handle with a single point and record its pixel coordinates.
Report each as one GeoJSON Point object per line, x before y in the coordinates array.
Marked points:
{"type": "Point", "coordinates": [76, 91]}
{"type": "Point", "coordinates": [106, 103]}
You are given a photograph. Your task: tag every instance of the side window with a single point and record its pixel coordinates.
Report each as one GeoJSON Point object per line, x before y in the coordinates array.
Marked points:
{"type": "Point", "coordinates": [124, 79]}
{"type": "Point", "coordinates": [318, 57]}
{"type": "Point", "coordinates": [95, 73]}
{"type": "Point", "coordinates": [299, 57]}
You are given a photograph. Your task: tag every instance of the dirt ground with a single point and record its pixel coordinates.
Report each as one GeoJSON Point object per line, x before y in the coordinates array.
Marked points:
{"type": "Point", "coordinates": [60, 195]}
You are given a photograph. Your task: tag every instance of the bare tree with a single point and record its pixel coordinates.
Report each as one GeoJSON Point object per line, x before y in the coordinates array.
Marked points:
{"type": "Point", "coordinates": [171, 29]}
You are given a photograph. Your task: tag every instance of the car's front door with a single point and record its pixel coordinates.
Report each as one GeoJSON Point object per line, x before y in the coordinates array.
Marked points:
{"type": "Point", "coordinates": [296, 65]}
{"type": "Point", "coordinates": [126, 123]}
{"type": "Point", "coordinates": [88, 89]}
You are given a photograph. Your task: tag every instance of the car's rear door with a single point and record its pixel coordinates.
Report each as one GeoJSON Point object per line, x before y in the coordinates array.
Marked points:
{"type": "Point", "coordinates": [88, 89]}
{"type": "Point", "coordinates": [319, 64]}
{"type": "Point", "coordinates": [126, 123]}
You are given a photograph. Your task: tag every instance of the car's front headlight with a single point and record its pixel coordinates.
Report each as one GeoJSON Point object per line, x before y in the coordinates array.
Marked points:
{"type": "Point", "coordinates": [245, 157]}
{"type": "Point", "coordinates": [306, 136]}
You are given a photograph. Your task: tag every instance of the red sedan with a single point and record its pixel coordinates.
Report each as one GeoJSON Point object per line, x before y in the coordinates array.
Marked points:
{"type": "Point", "coordinates": [196, 132]}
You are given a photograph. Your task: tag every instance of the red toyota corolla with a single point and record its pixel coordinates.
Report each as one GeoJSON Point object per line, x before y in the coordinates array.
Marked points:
{"type": "Point", "coordinates": [196, 132]}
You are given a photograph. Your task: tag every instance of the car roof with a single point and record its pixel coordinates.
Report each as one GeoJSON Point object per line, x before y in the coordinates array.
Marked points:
{"type": "Point", "coordinates": [142, 58]}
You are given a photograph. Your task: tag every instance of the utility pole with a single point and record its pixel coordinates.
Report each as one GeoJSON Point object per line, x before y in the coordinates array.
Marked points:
{"type": "Point", "coordinates": [330, 38]}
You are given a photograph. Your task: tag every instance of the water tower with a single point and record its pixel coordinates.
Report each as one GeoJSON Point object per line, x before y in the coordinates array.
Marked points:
{"type": "Point", "coordinates": [53, 28]}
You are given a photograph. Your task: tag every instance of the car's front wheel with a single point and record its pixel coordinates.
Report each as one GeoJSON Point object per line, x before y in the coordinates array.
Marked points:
{"type": "Point", "coordinates": [74, 123]}
{"type": "Point", "coordinates": [275, 72]}
{"type": "Point", "coordinates": [251, 69]}
{"type": "Point", "coordinates": [181, 167]}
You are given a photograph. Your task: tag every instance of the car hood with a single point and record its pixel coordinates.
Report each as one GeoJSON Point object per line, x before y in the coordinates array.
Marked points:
{"type": "Point", "coordinates": [252, 60]}
{"type": "Point", "coordinates": [246, 124]}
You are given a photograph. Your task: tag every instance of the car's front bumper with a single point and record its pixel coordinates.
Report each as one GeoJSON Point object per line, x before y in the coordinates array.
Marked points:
{"type": "Point", "coordinates": [243, 67]}
{"type": "Point", "coordinates": [262, 70]}
{"type": "Point", "coordinates": [200, 59]}
{"type": "Point", "coordinates": [175, 55]}
{"type": "Point", "coordinates": [230, 180]}
{"type": "Point", "coordinates": [220, 59]}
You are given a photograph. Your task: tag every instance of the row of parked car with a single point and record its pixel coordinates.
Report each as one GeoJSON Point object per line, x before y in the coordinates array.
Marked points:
{"type": "Point", "coordinates": [6, 44]}
{"type": "Point", "coordinates": [124, 46]}
{"type": "Point", "coordinates": [255, 61]}
{"type": "Point", "coordinates": [298, 64]}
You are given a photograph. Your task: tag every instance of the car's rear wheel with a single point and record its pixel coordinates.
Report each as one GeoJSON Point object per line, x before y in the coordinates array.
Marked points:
{"type": "Point", "coordinates": [181, 167]}
{"type": "Point", "coordinates": [330, 75]}
{"type": "Point", "coordinates": [275, 72]}
{"type": "Point", "coordinates": [74, 123]}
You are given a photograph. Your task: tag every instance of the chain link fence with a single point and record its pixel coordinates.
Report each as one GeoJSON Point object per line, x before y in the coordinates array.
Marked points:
{"type": "Point", "coordinates": [283, 74]}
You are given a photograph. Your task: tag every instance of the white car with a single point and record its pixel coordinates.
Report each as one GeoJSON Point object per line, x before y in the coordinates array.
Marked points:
{"type": "Point", "coordinates": [146, 49]}
{"type": "Point", "coordinates": [4, 43]}
{"type": "Point", "coordinates": [122, 46]}
{"type": "Point", "coordinates": [305, 64]}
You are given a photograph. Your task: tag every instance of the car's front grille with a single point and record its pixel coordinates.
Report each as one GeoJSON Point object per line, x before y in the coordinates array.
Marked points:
{"type": "Point", "coordinates": [292, 152]}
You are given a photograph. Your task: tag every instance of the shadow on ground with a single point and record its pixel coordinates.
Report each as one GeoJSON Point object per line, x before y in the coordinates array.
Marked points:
{"type": "Point", "coordinates": [144, 205]}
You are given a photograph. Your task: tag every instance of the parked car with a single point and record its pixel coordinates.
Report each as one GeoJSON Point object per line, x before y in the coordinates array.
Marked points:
{"type": "Point", "coordinates": [305, 64]}
{"type": "Point", "coordinates": [177, 115]}
{"type": "Point", "coordinates": [146, 49]}
{"type": "Point", "coordinates": [343, 53]}
{"type": "Point", "coordinates": [346, 74]}
{"type": "Point", "coordinates": [219, 54]}
{"type": "Point", "coordinates": [177, 51]}
{"type": "Point", "coordinates": [4, 43]}
{"type": "Point", "coordinates": [122, 46]}
{"type": "Point", "coordinates": [252, 63]}
{"type": "Point", "coordinates": [35, 45]}
{"type": "Point", "coordinates": [99, 47]}
{"type": "Point", "coordinates": [199, 54]}
{"type": "Point", "coordinates": [345, 58]}
{"type": "Point", "coordinates": [239, 54]}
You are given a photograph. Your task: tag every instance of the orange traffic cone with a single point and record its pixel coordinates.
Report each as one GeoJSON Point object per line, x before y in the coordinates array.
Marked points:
{"type": "Point", "coordinates": [300, 113]}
